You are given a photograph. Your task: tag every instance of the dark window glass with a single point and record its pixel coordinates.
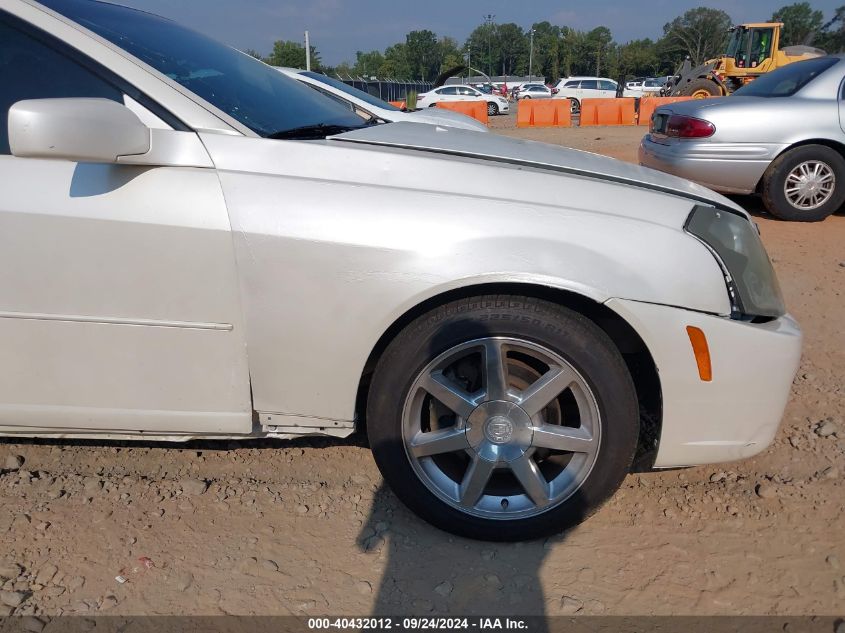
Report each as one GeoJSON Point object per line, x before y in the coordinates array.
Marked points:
{"type": "Point", "coordinates": [572, 84]}
{"type": "Point", "coordinates": [787, 80]}
{"type": "Point", "coordinates": [590, 84]}
{"type": "Point", "coordinates": [450, 90]}
{"type": "Point", "coordinates": [30, 69]}
{"type": "Point", "coordinates": [256, 95]}
{"type": "Point", "coordinates": [607, 85]}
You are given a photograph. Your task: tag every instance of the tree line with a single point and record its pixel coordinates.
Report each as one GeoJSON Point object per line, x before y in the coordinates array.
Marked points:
{"type": "Point", "coordinates": [560, 51]}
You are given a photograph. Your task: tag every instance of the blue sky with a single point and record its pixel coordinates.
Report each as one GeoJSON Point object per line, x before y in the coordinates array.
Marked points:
{"type": "Point", "coordinates": [340, 27]}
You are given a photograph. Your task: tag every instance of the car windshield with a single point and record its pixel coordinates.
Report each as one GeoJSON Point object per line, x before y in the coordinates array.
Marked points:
{"type": "Point", "coordinates": [252, 93]}
{"type": "Point", "coordinates": [360, 94]}
{"type": "Point", "coordinates": [786, 81]}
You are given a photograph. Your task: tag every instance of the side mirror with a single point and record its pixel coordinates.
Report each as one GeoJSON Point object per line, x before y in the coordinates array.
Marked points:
{"type": "Point", "coordinates": [81, 130]}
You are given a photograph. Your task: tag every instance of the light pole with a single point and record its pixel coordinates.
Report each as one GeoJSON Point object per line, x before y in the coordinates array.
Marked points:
{"type": "Point", "coordinates": [531, 57]}
{"type": "Point", "coordinates": [488, 19]}
{"type": "Point", "coordinates": [307, 51]}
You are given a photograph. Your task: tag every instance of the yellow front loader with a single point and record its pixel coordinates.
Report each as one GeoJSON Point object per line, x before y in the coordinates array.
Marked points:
{"type": "Point", "coordinates": [753, 49]}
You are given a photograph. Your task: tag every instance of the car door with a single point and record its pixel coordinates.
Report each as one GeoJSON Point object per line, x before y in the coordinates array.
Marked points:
{"type": "Point", "coordinates": [589, 89]}
{"type": "Point", "coordinates": [119, 303]}
{"type": "Point", "coordinates": [468, 94]}
{"type": "Point", "coordinates": [449, 93]}
{"type": "Point", "coordinates": [608, 88]}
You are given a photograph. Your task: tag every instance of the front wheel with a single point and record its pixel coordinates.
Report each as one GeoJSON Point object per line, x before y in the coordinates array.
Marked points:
{"type": "Point", "coordinates": [492, 109]}
{"type": "Point", "coordinates": [702, 88]}
{"type": "Point", "coordinates": [574, 106]}
{"type": "Point", "coordinates": [805, 184]}
{"type": "Point", "coordinates": [502, 418]}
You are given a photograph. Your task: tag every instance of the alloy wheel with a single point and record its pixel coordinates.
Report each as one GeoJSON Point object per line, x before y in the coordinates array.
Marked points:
{"type": "Point", "coordinates": [809, 185]}
{"type": "Point", "coordinates": [501, 428]}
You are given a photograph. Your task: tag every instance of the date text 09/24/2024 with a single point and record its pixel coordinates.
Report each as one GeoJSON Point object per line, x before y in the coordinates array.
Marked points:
{"type": "Point", "coordinates": [432, 623]}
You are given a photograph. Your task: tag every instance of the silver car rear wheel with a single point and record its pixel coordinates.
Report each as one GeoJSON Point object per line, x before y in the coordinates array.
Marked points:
{"type": "Point", "coordinates": [519, 444]}
{"type": "Point", "coordinates": [809, 185]}
{"type": "Point", "coordinates": [805, 183]}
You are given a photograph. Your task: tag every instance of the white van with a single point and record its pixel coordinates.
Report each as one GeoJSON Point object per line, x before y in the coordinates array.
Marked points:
{"type": "Point", "coordinates": [577, 88]}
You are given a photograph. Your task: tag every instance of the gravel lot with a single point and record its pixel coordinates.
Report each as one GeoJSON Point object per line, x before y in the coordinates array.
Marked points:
{"type": "Point", "coordinates": [307, 527]}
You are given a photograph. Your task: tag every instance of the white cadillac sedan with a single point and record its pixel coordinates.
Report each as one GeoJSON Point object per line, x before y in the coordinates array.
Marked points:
{"type": "Point", "coordinates": [194, 245]}
{"type": "Point", "coordinates": [372, 107]}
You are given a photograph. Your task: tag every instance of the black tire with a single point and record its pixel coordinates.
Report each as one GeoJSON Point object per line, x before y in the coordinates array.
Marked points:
{"type": "Point", "coordinates": [492, 109]}
{"type": "Point", "coordinates": [774, 180]}
{"type": "Point", "coordinates": [574, 106]}
{"type": "Point", "coordinates": [527, 97]}
{"type": "Point", "coordinates": [698, 87]}
{"type": "Point", "coordinates": [577, 339]}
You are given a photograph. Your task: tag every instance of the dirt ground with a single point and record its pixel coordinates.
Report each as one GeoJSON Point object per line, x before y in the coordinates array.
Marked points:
{"type": "Point", "coordinates": [307, 527]}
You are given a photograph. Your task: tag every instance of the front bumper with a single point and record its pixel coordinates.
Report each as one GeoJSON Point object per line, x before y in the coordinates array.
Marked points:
{"type": "Point", "coordinates": [504, 107]}
{"type": "Point", "coordinates": [737, 414]}
{"type": "Point", "coordinates": [726, 167]}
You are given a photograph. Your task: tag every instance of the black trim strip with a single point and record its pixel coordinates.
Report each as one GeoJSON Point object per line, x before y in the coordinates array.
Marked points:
{"type": "Point", "coordinates": [572, 171]}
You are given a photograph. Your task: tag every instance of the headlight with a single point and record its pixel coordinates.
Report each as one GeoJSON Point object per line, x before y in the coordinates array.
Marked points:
{"type": "Point", "coordinates": [751, 280]}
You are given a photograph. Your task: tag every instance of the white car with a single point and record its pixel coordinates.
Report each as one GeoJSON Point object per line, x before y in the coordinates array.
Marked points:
{"type": "Point", "coordinates": [194, 245]}
{"type": "Point", "coordinates": [370, 106]}
{"type": "Point", "coordinates": [649, 87]}
{"type": "Point", "coordinates": [577, 88]}
{"type": "Point", "coordinates": [495, 103]}
{"type": "Point", "coordinates": [534, 91]}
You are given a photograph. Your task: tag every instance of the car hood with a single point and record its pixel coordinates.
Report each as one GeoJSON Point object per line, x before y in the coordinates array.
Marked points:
{"type": "Point", "coordinates": [442, 116]}
{"type": "Point", "coordinates": [496, 148]}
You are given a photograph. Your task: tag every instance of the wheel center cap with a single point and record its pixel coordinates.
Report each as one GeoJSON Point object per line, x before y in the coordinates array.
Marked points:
{"type": "Point", "coordinates": [499, 431]}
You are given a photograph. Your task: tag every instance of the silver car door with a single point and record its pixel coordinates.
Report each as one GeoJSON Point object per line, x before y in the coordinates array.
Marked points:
{"type": "Point", "coordinates": [119, 302]}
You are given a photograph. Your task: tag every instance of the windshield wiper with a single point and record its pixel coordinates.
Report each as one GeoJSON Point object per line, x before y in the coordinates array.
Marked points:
{"type": "Point", "coordinates": [309, 132]}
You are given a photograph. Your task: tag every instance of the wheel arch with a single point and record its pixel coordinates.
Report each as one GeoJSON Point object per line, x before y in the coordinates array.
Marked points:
{"type": "Point", "coordinates": [834, 145]}
{"type": "Point", "coordinates": [634, 351]}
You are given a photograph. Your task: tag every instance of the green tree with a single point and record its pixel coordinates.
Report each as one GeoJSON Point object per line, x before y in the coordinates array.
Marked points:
{"type": "Point", "coordinates": [832, 36]}
{"type": "Point", "coordinates": [699, 33]}
{"type": "Point", "coordinates": [547, 50]}
{"type": "Point", "coordinates": [483, 46]}
{"type": "Point", "coordinates": [451, 55]}
{"type": "Point", "coordinates": [638, 58]}
{"type": "Point", "coordinates": [292, 54]}
{"type": "Point", "coordinates": [801, 23]}
{"type": "Point", "coordinates": [599, 51]}
{"type": "Point", "coordinates": [396, 62]}
{"type": "Point", "coordinates": [513, 50]}
{"type": "Point", "coordinates": [423, 54]}
{"type": "Point", "coordinates": [368, 64]}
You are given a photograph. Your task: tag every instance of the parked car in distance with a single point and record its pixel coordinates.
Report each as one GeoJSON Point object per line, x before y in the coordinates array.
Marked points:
{"type": "Point", "coordinates": [495, 104]}
{"type": "Point", "coordinates": [577, 88]}
{"type": "Point", "coordinates": [534, 91]}
{"type": "Point", "coordinates": [780, 136]}
{"type": "Point", "coordinates": [198, 246]}
{"type": "Point", "coordinates": [647, 87]}
{"type": "Point", "coordinates": [368, 105]}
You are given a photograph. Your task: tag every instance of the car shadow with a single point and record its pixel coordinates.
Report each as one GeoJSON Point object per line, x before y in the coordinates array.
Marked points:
{"type": "Point", "coordinates": [754, 205]}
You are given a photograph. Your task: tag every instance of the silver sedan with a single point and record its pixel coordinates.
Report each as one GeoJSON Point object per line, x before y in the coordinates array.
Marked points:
{"type": "Point", "coordinates": [780, 136]}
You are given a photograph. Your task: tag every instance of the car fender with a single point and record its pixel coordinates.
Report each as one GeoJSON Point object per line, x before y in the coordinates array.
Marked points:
{"type": "Point", "coordinates": [327, 264]}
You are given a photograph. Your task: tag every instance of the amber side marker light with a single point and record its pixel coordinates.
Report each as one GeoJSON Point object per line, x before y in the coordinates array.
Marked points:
{"type": "Point", "coordinates": [702, 353]}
